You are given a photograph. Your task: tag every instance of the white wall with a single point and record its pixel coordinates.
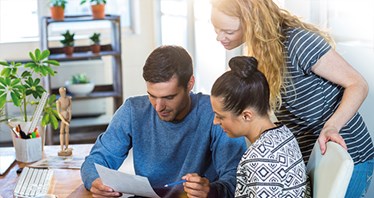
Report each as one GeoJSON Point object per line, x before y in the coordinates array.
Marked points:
{"type": "Point", "coordinates": [136, 48]}
{"type": "Point", "coordinates": [362, 59]}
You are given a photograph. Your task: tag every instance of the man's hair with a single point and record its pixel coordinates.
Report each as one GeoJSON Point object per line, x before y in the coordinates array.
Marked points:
{"type": "Point", "coordinates": [168, 61]}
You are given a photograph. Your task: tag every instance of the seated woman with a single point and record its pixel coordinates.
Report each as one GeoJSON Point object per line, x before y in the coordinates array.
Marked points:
{"type": "Point", "coordinates": [273, 165]}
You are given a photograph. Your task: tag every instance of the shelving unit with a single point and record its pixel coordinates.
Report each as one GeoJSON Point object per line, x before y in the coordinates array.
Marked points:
{"type": "Point", "coordinates": [81, 127]}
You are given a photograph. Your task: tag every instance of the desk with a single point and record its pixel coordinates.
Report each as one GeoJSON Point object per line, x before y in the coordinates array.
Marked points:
{"type": "Point", "coordinates": [65, 182]}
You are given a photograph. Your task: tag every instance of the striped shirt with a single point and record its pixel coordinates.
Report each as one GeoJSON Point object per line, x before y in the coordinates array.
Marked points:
{"type": "Point", "coordinates": [310, 100]}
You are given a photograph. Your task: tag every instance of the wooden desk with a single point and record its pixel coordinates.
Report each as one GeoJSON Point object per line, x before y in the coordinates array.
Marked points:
{"type": "Point", "coordinates": [65, 182]}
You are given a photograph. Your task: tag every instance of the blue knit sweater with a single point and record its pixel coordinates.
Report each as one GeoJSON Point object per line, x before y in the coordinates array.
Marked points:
{"type": "Point", "coordinates": [165, 151]}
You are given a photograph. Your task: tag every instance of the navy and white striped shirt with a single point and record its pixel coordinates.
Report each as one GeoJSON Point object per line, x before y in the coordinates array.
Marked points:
{"type": "Point", "coordinates": [310, 100]}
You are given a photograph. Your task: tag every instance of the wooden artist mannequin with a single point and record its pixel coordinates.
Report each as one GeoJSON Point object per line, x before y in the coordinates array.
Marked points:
{"type": "Point", "coordinates": [63, 105]}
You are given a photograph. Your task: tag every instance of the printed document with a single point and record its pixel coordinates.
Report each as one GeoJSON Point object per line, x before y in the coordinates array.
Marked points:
{"type": "Point", "coordinates": [126, 183]}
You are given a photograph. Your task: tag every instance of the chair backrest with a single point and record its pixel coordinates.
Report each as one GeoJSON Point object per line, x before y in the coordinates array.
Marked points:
{"type": "Point", "coordinates": [330, 173]}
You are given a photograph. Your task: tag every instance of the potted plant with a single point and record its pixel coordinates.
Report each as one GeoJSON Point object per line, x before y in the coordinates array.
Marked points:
{"type": "Point", "coordinates": [68, 42]}
{"type": "Point", "coordinates": [95, 46]}
{"type": "Point", "coordinates": [57, 9]}
{"type": "Point", "coordinates": [21, 85]}
{"type": "Point", "coordinates": [97, 8]}
{"type": "Point", "coordinates": [80, 85]}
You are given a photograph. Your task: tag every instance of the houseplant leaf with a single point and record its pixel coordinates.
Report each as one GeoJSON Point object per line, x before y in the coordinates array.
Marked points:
{"type": "Point", "coordinates": [23, 89]}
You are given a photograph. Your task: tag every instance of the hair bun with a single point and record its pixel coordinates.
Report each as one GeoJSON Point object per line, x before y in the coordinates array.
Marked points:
{"type": "Point", "coordinates": [243, 66]}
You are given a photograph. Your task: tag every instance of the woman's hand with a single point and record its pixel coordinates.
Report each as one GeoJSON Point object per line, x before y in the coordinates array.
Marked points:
{"type": "Point", "coordinates": [330, 133]}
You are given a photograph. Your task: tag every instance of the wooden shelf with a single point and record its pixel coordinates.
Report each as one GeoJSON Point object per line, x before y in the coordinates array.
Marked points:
{"type": "Point", "coordinates": [82, 53]}
{"type": "Point", "coordinates": [84, 130]}
{"type": "Point", "coordinates": [82, 18]}
{"type": "Point", "coordinates": [100, 91]}
{"type": "Point", "coordinates": [87, 127]}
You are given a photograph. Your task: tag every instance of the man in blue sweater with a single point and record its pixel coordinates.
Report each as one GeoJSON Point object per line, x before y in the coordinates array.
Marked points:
{"type": "Point", "coordinates": [172, 135]}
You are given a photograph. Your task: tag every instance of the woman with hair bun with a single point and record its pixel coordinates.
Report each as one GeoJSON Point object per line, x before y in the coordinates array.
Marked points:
{"type": "Point", "coordinates": [273, 165]}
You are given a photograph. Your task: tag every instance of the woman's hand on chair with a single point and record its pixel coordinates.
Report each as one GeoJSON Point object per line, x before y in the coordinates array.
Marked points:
{"type": "Point", "coordinates": [330, 134]}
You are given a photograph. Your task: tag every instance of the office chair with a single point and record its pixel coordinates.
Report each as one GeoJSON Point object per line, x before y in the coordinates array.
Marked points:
{"type": "Point", "coordinates": [329, 173]}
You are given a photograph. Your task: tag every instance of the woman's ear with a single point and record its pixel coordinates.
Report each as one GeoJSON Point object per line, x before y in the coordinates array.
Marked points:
{"type": "Point", "coordinates": [247, 115]}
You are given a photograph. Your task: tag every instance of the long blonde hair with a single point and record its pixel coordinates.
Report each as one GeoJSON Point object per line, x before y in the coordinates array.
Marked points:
{"type": "Point", "coordinates": [262, 22]}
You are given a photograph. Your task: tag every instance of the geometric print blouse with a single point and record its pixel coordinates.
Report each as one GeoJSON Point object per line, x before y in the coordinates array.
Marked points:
{"type": "Point", "coordinates": [273, 167]}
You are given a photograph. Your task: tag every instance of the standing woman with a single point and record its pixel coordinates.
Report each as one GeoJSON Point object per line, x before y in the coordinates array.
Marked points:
{"type": "Point", "coordinates": [313, 90]}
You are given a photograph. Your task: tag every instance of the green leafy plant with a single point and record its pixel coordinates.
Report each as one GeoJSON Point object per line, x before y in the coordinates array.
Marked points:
{"type": "Point", "coordinates": [68, 38]}
{"type": "Point", "coordinates": [80, 79]}
{"type": "Point", "coordinates": [94, 1]}
{"type": "Point", "coordinates": [21, 85]}
{"type": "Point", "coordinates": [95, 38]}
{"type": "Point", "coordinates": [57, 3]}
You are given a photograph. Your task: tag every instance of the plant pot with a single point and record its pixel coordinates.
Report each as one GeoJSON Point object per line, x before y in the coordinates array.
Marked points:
{"type": "Point", "coordinates": [57, 13]}
{"type": "Point", "coordinates": [98, 11]}
{"type": "Point", "coordinates": [95, 49]}
{"type": "Point", "coordinates": [80, 89]}
{"type": "Point", "coordinates": [69, 50]}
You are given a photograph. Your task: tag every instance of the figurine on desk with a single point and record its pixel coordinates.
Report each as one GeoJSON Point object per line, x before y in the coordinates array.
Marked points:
{"type": "Point", "coordinates": [63, 105]}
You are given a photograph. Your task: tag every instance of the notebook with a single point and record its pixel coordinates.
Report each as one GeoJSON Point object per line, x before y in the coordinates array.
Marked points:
{"type": "Point", "coordinates": [6, 161]}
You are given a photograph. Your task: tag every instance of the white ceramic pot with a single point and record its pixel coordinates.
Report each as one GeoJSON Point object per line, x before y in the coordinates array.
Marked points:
{"type": "Point", "coordinates": [80, 89]}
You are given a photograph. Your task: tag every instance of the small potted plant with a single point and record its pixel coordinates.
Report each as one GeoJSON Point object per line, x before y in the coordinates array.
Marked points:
{"type": "Point", "coordinates": [68, 42]}
{"type": "Point", "coordinates": [57, 9]}
{"type": "Point", "coordinates": [80, 85]}
{"type": "Point", "coordinates": [21, 85]}
{"type": "Point", "coordinates": [97, 8]}
{"type": "Point", "coordinates": [95, 46]}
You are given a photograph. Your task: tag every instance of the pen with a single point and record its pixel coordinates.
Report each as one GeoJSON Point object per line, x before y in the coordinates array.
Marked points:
{"type": "Point", "coordinates": [16, 133]}
{"type": "Point", "coordinates": [175, 183]}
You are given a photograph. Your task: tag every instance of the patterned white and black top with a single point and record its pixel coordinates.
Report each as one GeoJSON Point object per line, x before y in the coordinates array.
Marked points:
{"type": "Point", "coordinates": [272, 167]}
{"type": "Point", "coordinates": [310, 100]}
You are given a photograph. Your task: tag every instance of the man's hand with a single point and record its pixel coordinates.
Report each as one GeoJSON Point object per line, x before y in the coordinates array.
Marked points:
{"type": "Point", "coordinates": [330, 134]}
{"type": "Point", "coordinates": [98, 189]}
{"type": "Point", "coordinates": [196, 186]}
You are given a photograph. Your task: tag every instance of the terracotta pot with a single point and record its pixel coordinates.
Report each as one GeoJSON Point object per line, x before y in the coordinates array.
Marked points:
{"type": "Point", "coordinates": [57, 13]}
{"type": "Point", "coordinates": [95, 48]}
{"type": "Point", "coordinates": [98, 11]}
{"type": "Point", "coordinates": [69, 50]}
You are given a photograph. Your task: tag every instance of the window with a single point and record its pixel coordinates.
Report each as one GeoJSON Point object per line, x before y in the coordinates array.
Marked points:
{"type": "Point", "coordinates": [187, 23]}
{"type": "Point", "coordinates": [174, 22]}
{"type": "Point", "coordinates": [352, 21]}
{"type": "Point", "coordinates": [18, 23]}
{"type": "Point", "coordinates": [22, 25]}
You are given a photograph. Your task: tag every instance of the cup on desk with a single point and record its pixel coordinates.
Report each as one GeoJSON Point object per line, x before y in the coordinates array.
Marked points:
{"type": "Point", "coordinates": [28, 146]}
{"type": "Point", "coordinates": [28, 150]}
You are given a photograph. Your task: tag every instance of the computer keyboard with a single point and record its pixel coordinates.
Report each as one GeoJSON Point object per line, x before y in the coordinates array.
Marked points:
{"type": "Point", "coordinates": [33, 182]}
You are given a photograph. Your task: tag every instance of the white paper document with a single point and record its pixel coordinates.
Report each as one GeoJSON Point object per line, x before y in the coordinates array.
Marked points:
{"type": "Point", "coordinates": [126, 183]}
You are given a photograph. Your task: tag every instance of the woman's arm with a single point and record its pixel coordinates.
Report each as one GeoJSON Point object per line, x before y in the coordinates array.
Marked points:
{"type": "Point", "coordinates": [334, 68]}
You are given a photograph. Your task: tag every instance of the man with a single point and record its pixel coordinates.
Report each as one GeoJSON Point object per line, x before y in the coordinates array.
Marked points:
{"type": "Point", "coordinates": [172, 135]}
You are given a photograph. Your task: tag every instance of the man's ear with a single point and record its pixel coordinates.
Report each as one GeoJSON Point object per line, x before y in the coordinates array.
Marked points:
{"type": "Point", "coordinates": [191, 83]}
